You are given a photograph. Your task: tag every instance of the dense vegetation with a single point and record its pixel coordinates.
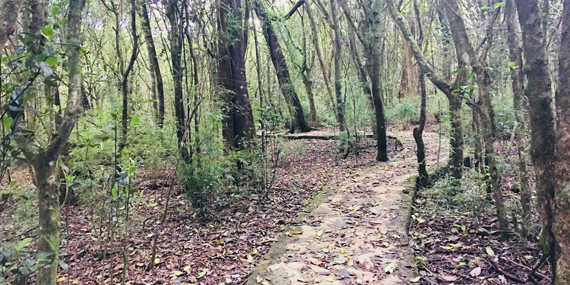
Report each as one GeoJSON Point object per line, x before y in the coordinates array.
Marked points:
{"type": "Point", "coordinates": [97, 94]}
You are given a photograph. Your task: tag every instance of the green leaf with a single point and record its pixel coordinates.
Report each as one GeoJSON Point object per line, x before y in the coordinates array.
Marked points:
{"type": "Point", "coordinates": [7, 122]}
{"type": "Point", "coordinates": [55, 11]}
{"type": "Point", "coordinates": [51, 61]}
{"type": "Point", "coordinates": [23, 243]}
{"type": "Point", "coordinates": [202, 273]}
{"type": "Point", "coordinates": [114, 192]}
{"type": "Point", "coordinates": [512, 64]}
{"type": "Point", "coordinates": [498, 4]}
{"type": "Point", "coordinates": [339, 260]}
{"type": "Point", "coordinates": [490, 251]}
{"type": "Point", "coordinates": [48, 32]}
{"type": "Point", "coordinates": [470, 75]}
{"type": "Point", "coordinates": [134, 121]}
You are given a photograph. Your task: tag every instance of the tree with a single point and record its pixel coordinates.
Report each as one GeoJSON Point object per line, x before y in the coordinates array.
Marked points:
{"type": "Point", "coordinates": [237, 124]}
{"type": "Point", "coordinates": [280, 64]}
{"type": "Point", "coordinates": [561, 212]}
{"type": "Point", "coordinates": [539, 93]}
{"type": "Point", "coordinates": [43, 161]}
{"type": "Point", "coordinates": [337, 62]}
{"type": "Point", "coordinates": [155, 74]}
{"type": "Point", "coordinates": [8, 17]}
{"type": "Point", "coordinates": [517, 77]}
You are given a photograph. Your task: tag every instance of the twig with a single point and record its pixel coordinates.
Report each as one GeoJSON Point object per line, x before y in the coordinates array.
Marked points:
{"type": "Point", "coordinates": [506, 274]}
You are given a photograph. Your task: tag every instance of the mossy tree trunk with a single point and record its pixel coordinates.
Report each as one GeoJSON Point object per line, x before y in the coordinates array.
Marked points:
{"type": "Point", "coordinates": [561, 223]}
{"type": "Point", "coordinates": [539, 93]}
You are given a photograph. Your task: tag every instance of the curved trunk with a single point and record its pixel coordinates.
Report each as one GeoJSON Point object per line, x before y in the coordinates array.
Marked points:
{"type": "Point", "coordinates": [283, 76]}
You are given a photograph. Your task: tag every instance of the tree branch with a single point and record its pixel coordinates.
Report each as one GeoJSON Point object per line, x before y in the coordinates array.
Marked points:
{"type": "Point", "coordinates": [294, 9]}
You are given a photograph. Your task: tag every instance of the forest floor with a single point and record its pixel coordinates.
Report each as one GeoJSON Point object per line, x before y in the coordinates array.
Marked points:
{"type": "Point", "coordinates": [327, 220]}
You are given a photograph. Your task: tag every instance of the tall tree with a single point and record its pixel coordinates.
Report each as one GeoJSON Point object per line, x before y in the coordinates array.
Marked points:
{"type": "Point", "coordinates": [456, 141]}
{"type": "Point", "coordinates": [423, 175]}
{"type": "Point", "coordinates": [376, 22]}
{"type": "Point", "coordinates": [283, 76]}
{"type": "Point", "coordinates": [539, 93]}
{"type": "Point", "coordinates": [337, 67]}
{"type": "Point", "coordinates": [43, 161]}
{"type": "Point", "coordinates": [237, 124]}
{"type": "Point", "coordinates": [560, 225]}
{"type": "Point", "coordinates": [156, 75]}
{"type": "Point", "coordinates": [467, 56]}
{"type": "Point", "coordinates": [517, 77]}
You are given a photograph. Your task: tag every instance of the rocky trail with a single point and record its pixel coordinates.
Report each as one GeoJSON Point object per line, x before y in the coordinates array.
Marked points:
{"type": "Point", "coordinates": [356, 230]}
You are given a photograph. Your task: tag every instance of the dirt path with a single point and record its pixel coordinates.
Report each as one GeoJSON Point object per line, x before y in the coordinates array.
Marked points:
{"type": "Point", "coordinates": [355, 233]}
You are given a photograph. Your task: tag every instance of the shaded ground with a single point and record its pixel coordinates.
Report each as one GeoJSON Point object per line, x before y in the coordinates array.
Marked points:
{"type": "Point", "coordinates": [221, 250]}
{"type": "Point", "coordinates": [356, 234]}
{"type": "Point", "coordinates": [455, 238]}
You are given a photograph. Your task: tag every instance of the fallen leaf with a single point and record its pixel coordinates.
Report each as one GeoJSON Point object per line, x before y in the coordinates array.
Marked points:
{"type": "Point", "coordinates": [415, 279]}
{"type": "Point", "coordinates": [389, 269]}
{"type": "Point", "coordinates": [178, 273]}
{"type": "Point", "coordinates": [60, 279]}
{"type": "Point", "coordinates": [475, 272]}
{"type": "Point", "coordinates": [448, 278]}
{"type": "Point", "coordinates": [339, 260]}
{"type": "Point", "coordinates": [490, 251]}
{"type": "Point", "coordinates": [202, 273]}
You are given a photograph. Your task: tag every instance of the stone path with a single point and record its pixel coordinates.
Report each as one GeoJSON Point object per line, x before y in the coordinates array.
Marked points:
{"type": "Point", "coordinates": [356, 233]}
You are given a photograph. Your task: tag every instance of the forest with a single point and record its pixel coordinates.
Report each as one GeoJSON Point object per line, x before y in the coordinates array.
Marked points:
{"type": "Point", "coordinates": [285, 142]}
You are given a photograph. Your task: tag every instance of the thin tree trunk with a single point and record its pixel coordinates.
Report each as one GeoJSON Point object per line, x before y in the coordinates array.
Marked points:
{"type": "Point", "coordinates": [320, 57]}
{"type": "Point", "coordinates": [407, 86]}
{"type": "Point", "coordinates": [176, 57]}
{"type": "Point", "coordinates": [375, 66]}
{"type": "Point", "coordinates": [539, 93]}
{"type": "Point", "coordinates": [561, 226]}
{"type": "Point", "coordinates": [125, 74]}
{"type": "Point", "coordinates": [154, 67]}
{"type": "Point", "coordinates": [44, 164]}
{"type": "Point", "coordinates": [423, 175]}
{"type": "Point", "coordinates": [337, 68]}
{"type": "Point", "coordinates": [517, 76]}
{"type": "Point", "coordinates": [464, 47]}
{"type": "Point", "coordinates": [278, 59]}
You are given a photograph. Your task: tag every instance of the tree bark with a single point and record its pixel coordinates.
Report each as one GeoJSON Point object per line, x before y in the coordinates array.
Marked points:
{"type": "Point", "coordinates": [539, 94]}
{"type": "Point", "coordinates": [517, 77]}
{"type": "Point", "coordinates": [8, 17]}
{"type": "Point", "coordinates": [407, 86]}
{"type": "Point", "coordinates": [375, 65]}
{"type": "Point", "coordinates": [237, 124]}
{"type": "Point", "coordinates": [561, 225]}
{"type": "Point", "coordinates": [125, 74]}
{"type": "Point", "coordinates": [423, 176]}
{"type": "Point", "coordinates": [154, 66]}
{"type": "Point", "coordinates": [280, 64]}
{"type": "Point", "coordinates": [337, 73]}
{"type": "Point", "coordinates": [44, 163]}
{"type": "Point", "coordinates": [466, 55]}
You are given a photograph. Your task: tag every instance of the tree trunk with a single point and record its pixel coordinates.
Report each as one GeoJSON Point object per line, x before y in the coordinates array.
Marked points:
{"type": "Point", "coordinates": [44, 164]}
{"type": "Point", "coordinates": [320, 57]}
{"type": "Point", "coordinates": [465, 52]}
{"type": "Point", "coordinates": [517, 76]}
{"type": "Point", "coordinates": [561, 225]}
{"type": "Point", "coordinates": [154, 67]}
{"type": "Point", "coordinates": [539, 94]}
{"type": "Point", "coordinates": [337, 73]}
{"type": "Point", "coordinates": [176, 38]}
{"type": "Point", "coordinates": [407, 83]}
{"type": "Point", "coordinates": [456, 141]}
{"type": "Point", "coordinates": [125, 74]}
{"type": "Point", "coordinates": [237, 124]}
{"type": "Point", "coordinates": [423, 176]}
{"type": "Point", "coordinates": [278, 59]}
{"type": "Point", "coordinates": [375, 42]}
{"type": "Point", "coordinates": [8, 17]}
